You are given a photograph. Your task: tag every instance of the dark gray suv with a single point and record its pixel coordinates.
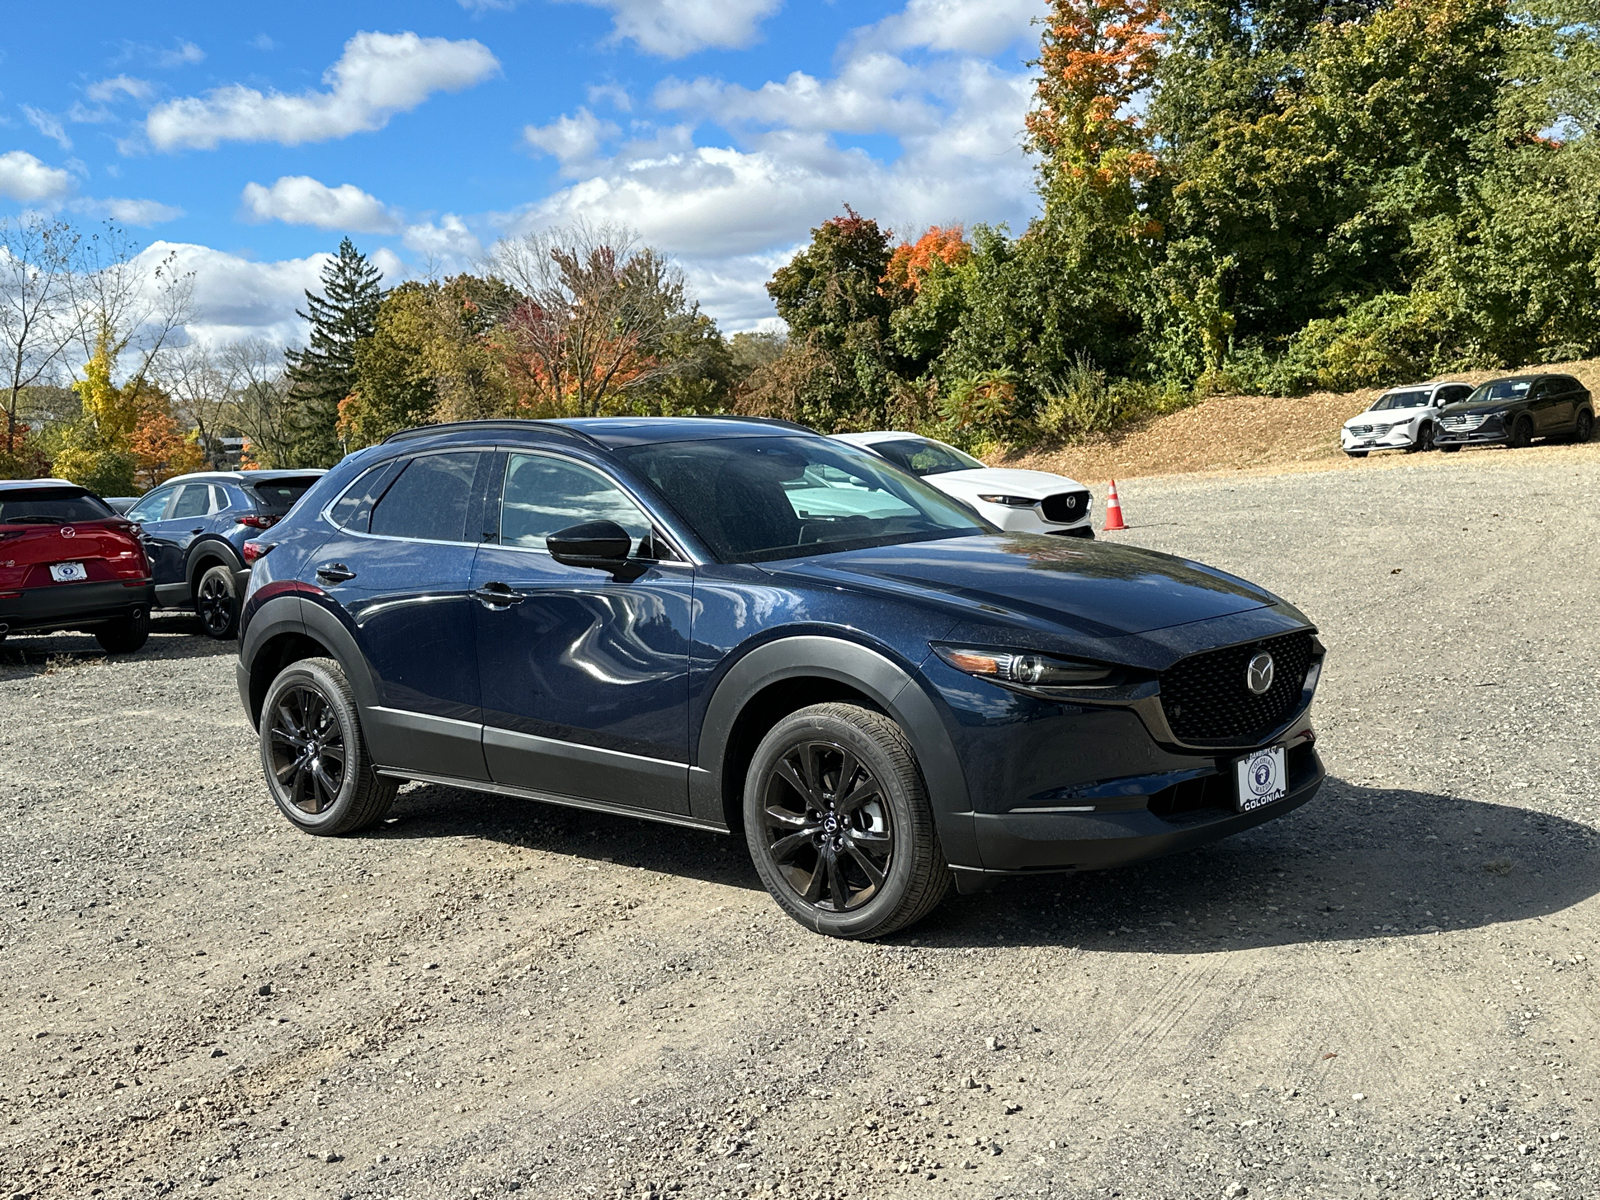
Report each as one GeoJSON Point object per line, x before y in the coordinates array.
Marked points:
{"type": "Point", "coordinates": [194, 527]}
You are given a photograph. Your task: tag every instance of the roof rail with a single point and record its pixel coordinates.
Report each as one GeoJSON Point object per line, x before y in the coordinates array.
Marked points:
{"type": "Point", "coordinates": [778, 421]}
{"type": "Point", "coordinates": [508, 423]}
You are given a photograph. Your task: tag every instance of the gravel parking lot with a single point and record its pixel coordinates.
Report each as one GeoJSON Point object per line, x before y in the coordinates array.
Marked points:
{"type": "Point", "coordinates": [1390, 992]}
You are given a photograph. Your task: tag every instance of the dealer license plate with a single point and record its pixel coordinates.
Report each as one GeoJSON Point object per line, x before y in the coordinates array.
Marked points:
{"type": "Point", "coordinates": [68, 572]}
{"type": "Point", "coordinates": [1263, 778]}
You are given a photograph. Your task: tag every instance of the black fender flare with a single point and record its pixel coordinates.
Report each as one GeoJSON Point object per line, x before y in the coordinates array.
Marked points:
{"type": "Point", "coordinates": [874, 674]}
{"type": "Point", "coordinates": [209, 546]}
{"type": "Point", "coordinates": [292, 614]}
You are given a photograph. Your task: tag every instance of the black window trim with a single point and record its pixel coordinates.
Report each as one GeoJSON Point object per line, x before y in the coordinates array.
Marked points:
{"type": "Point", "coordinates": [494, 494]}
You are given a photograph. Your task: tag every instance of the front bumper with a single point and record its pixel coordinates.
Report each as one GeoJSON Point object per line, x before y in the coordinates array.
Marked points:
{"type": "Point", "coordinates": [1479, 437]}
{"type": "Point", "coordinates": [74, 605]}
{"type": "Point", "coordinates": [1396, 439]}
{"type": "Point", "coordinates": [1021, 843]}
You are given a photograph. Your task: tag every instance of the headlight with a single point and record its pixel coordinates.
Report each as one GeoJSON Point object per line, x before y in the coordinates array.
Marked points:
{"type": "Point", "coordinates": [1030, 670]}
{"type": "Point", "coordinates": [1010, 501]}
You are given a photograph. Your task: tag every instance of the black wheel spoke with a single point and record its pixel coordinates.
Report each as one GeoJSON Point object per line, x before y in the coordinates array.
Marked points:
{"type": "Point", "coordinates": [325, 786]}
{"type": "Point", "coordinates": [788, 818]}
{"type": "Point", "coordinates": [874, 875]}
{"type": "Point", "coordinates": [867, 790]}
{"type": "Point", "coordinates": [335, 754]}
{"type": "Point", "coordinates": [838, 891]}
{"type": "Point", "coordinates": [873, 841]}
{"type": "Point", "coordinates": [813, 891]}
{"type": "Point", "coordinates": [785, 770]}
{"type": "Point", "coordinates": [785, 847]}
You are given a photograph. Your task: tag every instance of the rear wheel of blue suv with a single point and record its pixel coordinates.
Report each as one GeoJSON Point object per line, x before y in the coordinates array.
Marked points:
{"type": "Point", "coordinates": [743, 627]}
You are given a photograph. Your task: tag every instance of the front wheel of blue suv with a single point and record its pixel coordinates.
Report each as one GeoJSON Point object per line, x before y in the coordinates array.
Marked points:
{"type": "Point", "coordinates": [837, 819]}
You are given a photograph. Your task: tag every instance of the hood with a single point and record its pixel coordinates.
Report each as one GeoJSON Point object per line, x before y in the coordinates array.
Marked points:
{"type": "Point", "coordinates": [1006, 481]}
{"type": "Point", "coordinates": [1095, 589]}
{"type": "Point", "coordinates": [1483, 406]}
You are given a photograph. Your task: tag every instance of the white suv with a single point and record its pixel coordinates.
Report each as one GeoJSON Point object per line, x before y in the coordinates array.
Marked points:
{"type": "Point", "coordinates": [1402, 418]}
{"type": "Point", "coordinates": [1015, 500]}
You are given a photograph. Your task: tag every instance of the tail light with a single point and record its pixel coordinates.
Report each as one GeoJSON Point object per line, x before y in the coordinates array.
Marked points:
{"type": "Point", "coordinates": [255, 551]}
{"type": "Point", "coordinates": [266, 522]}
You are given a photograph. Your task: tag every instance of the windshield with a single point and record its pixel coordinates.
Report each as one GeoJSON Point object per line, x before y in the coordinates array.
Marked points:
{"type": "Point", "coordinates": [762, 498]}
{"type": "Point", "coordinates": [282, 493]}
{"type": "Point", "coordinates": [1501, 389]}
{"type": "Point", "coordinates": [1401, 400]}
{"type": "Point", "coordinates": [923, 457]}
{"type": "Point", "coordinates": [50, 506]}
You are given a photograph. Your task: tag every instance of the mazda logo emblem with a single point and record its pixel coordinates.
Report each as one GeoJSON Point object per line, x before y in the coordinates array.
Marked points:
{"type": "Point", "coordinates": [68, 531]}
{"type": "Point", "coordinates": [1258, 675]}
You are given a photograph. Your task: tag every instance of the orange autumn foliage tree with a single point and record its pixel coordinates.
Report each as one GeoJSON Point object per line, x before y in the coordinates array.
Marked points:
{"type": "Point", "coordinates": [1096, 59]}
{"type": "Point", "coordinates": [159, 446]}
{"type": "Point", "coordinates": [911, 261]}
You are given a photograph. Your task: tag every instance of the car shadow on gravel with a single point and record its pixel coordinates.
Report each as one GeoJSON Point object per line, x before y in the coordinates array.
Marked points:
{"type": "Point", "coordinates": [1356, 863]}
{"type": "Point", "coordinates": [435, 811]}
{"type": "Point", "coordinates": [172, 635]}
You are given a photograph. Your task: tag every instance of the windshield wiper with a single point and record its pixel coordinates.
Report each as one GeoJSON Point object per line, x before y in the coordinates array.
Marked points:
{"type": "Point", "coordinates": [37, 520]}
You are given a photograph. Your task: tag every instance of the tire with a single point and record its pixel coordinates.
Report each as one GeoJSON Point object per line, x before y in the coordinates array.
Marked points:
{"type": "Point", "coordinates": [309, 713]}
{"type": "Point", "coordinates": [889, 869]}
{"type": "Point", "coordinates": [1521, 434]}
{"type": "Point", "coordinates": [216, 603]}
{"type": "Point", "coordinates": [1583, 427]}
{"type": "Point", "coordinates": [1451, 449]}
{"type": "Point", "coordinates": [1424, 441]}
{"type": "Point", "coordinates": [1356, 453]}
{"type": "Point", "coordinates": [126, 635]}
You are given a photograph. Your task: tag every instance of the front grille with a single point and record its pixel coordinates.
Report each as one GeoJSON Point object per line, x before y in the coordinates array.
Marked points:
{"type": "Point", "coordinates": [1463, 422]}
{"type": "Point", "coordinates": [1208, 702]}
{"type": "Point", "coordinates": [1362, 430]}
{"type": "Point", "coordinates": [1065, 507]}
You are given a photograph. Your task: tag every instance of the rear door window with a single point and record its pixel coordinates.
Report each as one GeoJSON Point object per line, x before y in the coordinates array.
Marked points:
{"type": "Point", "coordinates": [194, 500]}
{"type": "Point", "coordinates": [430, 500]}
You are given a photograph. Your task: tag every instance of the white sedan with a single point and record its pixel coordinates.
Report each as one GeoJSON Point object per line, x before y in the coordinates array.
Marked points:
{"type": "Point", "coordinates": [1016, 501]}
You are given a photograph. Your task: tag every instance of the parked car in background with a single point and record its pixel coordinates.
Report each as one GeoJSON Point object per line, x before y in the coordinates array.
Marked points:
{"type": "Point", "coordinates": [1014, 500]}
{"type": "Point", "coordinates": [1403, 418]}
{"type": "Point", "coordinates": [120, 504]}
{"type": "Point", "coordinates": [195, 526]}
{"type": "Point", "coordinates": [1515, 410]}
{"type": "Point", "coordinates": [733, 624]}
{"type": "Point", "coordinates": [67, 562]}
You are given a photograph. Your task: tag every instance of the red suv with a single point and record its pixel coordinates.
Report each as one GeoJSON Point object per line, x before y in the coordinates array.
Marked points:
{"type": "Point", "coordinates": [67, 561]}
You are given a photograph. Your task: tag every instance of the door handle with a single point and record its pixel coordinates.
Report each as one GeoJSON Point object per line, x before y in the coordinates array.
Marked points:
{"type": "Point", "coordinates": [496, 595]}
{"type": "Point", "coordinates": [200, 530]}
{"type": "Point", "coordinates": [335, 572]}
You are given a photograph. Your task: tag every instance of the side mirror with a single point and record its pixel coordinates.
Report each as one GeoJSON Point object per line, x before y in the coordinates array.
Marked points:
{"type": "Point", "coordinates": [602, 544]}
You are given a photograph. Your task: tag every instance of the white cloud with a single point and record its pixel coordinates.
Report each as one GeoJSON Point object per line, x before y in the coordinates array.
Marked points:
{"type": "Point", "coordinates": [447, 241]}
{"type": "Point", "coordinates": [47, 124]}
{"type": "Point", "coordinates": [674, 28]}
{"type": "Point", "coordinates": [236, 298]}
{"type": "Point", "coordinates": [572, 141]}
{"type": "Point", "coordinates": [967, 27]}
{"type": "Point", "coordinates": [143, 213]}
{"type": "Point", "coordinates": [610, 93]}
{"type": "Point", "coordinates": [108, 90]}
{"type": "Point", "coordinates": [379, 75]}
{"type": "Point", "coordinates": [185, 55]}
{"type": "Point", "coordinates": [263, 43]}
{"type": "Point", "coordinates": [23, 177]}
{"type": "Point", "coordinates": [302, 200]}
{"type": "Point", "coordinates": [873, 93]}
{"type": "Point", "coordinates": [483, 6]}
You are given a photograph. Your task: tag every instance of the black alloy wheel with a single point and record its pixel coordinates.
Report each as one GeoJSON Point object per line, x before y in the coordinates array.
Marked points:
{"type": "Point", "coordinates": [1424, 441]}
{"type": "Point", "coordinates": [838, 822]}
{"type": "Point", "coordinates": [1583, 429]}
{"type": "Point", "coordinates": [314, 755]}
{"type": "Point", "coordinates": [307, 747]}
{"type": "Point", "coordinates": [216, 604]}
{"type": "Point", "coordinates": [1521, 433]}
{"type": "Point", "coordinates": [826, 826]}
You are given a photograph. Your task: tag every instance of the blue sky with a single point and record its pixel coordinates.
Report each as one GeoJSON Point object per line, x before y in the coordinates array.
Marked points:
{"type": "Point", "coordinates": [251, 138]}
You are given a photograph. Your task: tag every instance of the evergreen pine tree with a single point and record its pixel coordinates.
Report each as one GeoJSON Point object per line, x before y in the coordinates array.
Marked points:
{"type": "Point", "coordinates": [324, 373]}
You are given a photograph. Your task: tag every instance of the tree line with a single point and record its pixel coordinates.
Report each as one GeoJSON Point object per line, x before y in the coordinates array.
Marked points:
{"type": "Point", "coordinates": [1234, 195]}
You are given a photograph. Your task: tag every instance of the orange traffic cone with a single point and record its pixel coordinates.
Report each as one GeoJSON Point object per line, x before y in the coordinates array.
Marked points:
{"type": "Point", "coordinates": [1113, 510]}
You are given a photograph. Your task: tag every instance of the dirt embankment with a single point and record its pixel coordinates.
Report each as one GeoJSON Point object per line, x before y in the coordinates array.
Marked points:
{"type": "Point", "coordinates": [1236, 433]}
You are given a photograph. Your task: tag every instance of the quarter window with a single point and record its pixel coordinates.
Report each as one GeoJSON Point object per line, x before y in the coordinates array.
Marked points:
{"type": "Point", "coordinates": [353, 510]}
{"type": "Point", "coordinates": [429, 501]}
{"type": "Point", "coordinates": [543, 495]}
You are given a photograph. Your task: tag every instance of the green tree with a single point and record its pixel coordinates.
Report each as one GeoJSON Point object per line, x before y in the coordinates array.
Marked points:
{"type": "Point", "coordinates": [324, 373]}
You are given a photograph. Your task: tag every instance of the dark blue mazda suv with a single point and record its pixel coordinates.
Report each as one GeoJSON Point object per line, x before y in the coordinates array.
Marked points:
{"type": "Point", "coordinates": [736, 624]}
